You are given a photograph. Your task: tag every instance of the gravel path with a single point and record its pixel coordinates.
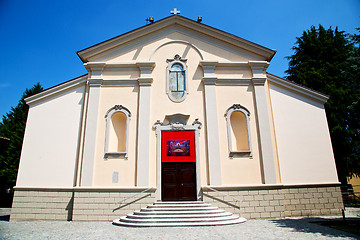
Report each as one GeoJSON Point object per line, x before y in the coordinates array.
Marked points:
{"type": "Point", "coordinates": [295, 228]}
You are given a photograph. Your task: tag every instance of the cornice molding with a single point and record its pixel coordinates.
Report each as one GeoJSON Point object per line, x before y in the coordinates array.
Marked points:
{"type": "Point", "coordinates": [146, 68]}
{"type": "Point", "coordinates": [145, 65]}
{"type": "Point", "coordinates": [181, 21]}
{"type": "Point", "coordinates": [233, 82]}
{"type": "Point", "coordinates": [119, 82]}
{"type": "Point", "coordinates": [258, 69]}
{"type": "Point", "coordinates": [56, 90]}
{"type": "Point", "coordinates": [120, 65]}
{"type": "Point", "coordinates": [259, 81]}
{"type": "Point", "coordinates": [259, 64]}
{"type": "Point", "coordinates": [320, 97]}
{"type": "Point", "coordinates": [95, 82]}
{"type": "Point", "coordinates": [209, 80]}
{"type": "Point", "coordinates": [145, 81]}
{"type": "Point", "coordinates": [267, 186]}
{"type": "Point", "coordinates": [84, 189]}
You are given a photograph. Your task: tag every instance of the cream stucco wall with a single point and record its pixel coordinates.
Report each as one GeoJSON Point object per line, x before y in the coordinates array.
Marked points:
{"type": "Point", "coordinates": [105, 166]}
{"type": "Point", "coordinates": [143, 48]}
{"type": "Point", "coordinates": [238, 169]}
{"type": "Point", "coordinates": [51, 141]}
{"type": "Point", "coordinates": [303, 140]}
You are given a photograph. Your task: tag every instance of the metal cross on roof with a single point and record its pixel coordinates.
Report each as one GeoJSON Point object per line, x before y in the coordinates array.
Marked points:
{"type": "Point", "coordinates": [175, 12]}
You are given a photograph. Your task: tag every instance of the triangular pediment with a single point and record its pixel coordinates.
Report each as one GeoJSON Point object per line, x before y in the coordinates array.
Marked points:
{"type": "Point", "coordinates": [209, 42]}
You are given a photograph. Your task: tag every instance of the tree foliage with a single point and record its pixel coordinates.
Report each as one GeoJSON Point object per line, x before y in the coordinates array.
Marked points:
{"type": "Point", "coordinates": [328, 61]}
{"type": "Point", "coordinates": [12, 128]}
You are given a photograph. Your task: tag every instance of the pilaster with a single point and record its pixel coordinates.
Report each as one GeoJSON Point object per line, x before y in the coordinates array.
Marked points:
{"type": "Point", "coordinates": [212, 126]}
{"type": "Point", "coordinates": [266, 150]}
{"type": "Point", "coordinates": [94, 82]}
{"type": "Point", "coordinates": [145, 80]}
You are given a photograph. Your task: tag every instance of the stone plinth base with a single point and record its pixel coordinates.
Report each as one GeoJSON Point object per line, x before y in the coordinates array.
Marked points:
{"type": "Point", "coordinates": [278, 201]}
{"type": "Point", "coordinates": [77, 204]}
{"type": "Point", "coordinates": [98, 204]}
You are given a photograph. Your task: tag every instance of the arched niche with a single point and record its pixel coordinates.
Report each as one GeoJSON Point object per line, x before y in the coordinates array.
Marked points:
{"type": "Point", "coordinates": [117, 131]}
{"type": "Point", "coordinates": [237, 120]}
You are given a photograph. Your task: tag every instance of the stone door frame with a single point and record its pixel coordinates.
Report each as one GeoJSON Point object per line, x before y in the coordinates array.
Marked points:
{"type": "Point", "coordinates": [177, 126]}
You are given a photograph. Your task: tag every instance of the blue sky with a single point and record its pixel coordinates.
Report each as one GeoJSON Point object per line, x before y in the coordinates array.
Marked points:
{"type": "Point", "coordinates": [39, 39]}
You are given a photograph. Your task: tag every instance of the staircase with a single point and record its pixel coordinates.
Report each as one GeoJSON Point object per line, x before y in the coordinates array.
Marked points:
{"type": "Point", "coordinates": [166, 214]}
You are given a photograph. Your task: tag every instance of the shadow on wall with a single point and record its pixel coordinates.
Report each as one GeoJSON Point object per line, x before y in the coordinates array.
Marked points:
{"type": "Point", "coordinates": [221, 200]}
{"type": "Point", "coordinates": [5, 218]}
{"type": "Point", "coordinates": [69, 208]}
{"type": "Point", "coordinates": [132, 202]}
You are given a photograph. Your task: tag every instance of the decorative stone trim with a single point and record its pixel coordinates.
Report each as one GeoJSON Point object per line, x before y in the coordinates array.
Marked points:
{"type": "Point", "coordinates": [177, 122]}
{"type": "Point", "coordinates": [118, 108]}
{"type": "Point", "coordinates": [177, 126]}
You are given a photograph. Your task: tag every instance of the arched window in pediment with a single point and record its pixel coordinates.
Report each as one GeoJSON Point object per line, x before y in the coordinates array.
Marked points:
{"type": "Point", "coordinates": [117, 128]}
{"type": "Point", "coordinates": [176, 83]}
{"type": "Point", "coordinates": [237, 119]}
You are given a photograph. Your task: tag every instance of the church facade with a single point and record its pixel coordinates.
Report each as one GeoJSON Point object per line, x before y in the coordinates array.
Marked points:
{"type": "Point", "coordinates": [176, 111]}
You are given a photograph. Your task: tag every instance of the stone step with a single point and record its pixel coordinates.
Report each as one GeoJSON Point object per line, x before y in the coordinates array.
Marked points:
{"type": "Point", "coordinates": [179, 205]}
{"type": "Point", "coordinates": [176, 220]}
{"type": "Point", "coordinates": [178, 209]}
{"type": "Point", "coordinates": [180, 224]}
{"type": "Point", "coordinates": [207, 215]}
{"type": "Point", "coordinates": [166, 214]}
{"type": "Point", "coordinates": [178, 212]}
{"type": "Point", "coordinates": [177, 202]}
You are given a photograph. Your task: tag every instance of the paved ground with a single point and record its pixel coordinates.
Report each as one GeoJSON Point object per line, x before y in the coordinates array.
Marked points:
{"type": "Point", "coordinates": [295, 228]}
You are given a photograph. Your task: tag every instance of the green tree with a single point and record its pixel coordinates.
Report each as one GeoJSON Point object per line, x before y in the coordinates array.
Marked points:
{"type": "Point", "coordinates": [327, 60]}
{"type": "Point", "coordinates": [12, 128]}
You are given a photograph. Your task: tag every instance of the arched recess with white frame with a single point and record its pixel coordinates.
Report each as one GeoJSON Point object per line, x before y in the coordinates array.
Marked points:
{"type": "Point", "coordinates": [117, 131]}
{"type": "Point", "coordinates": [237, 120]}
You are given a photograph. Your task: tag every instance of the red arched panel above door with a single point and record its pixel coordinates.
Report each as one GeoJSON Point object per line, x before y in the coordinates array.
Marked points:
{"type": "Point", "coordinates": [178, 146]}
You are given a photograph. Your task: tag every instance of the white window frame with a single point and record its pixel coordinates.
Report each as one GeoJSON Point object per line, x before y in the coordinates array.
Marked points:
{"type": "Point", "coordinates": [177, 60]}
{"type": "Point", "coordinates": [108, 115]}
{"type": "Point", "coordinates": [229, 111]}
